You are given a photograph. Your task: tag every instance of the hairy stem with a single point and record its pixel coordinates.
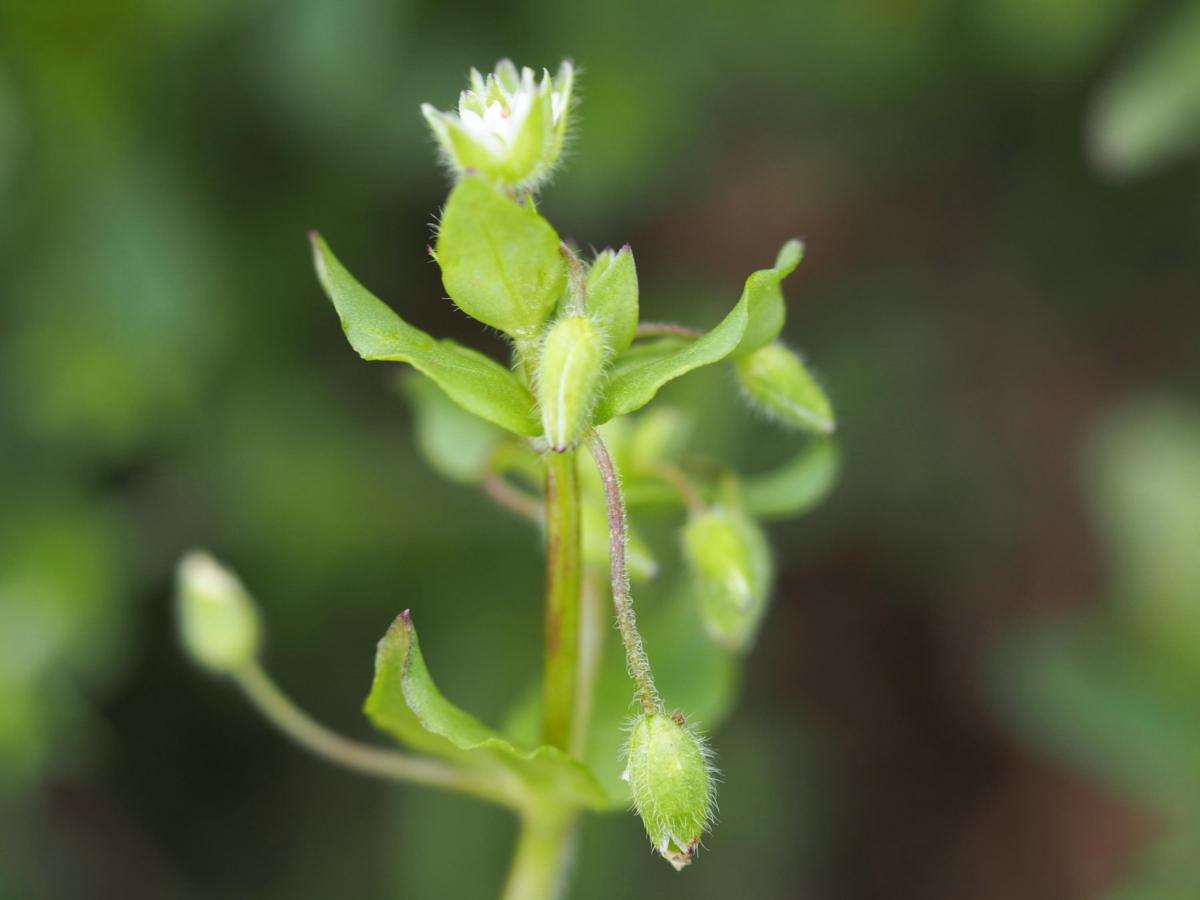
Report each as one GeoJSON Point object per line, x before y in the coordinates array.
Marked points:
{"type": "Point", "coordinates": [564, 574]}
{"type": "Point", "coordinates": [635, 653]}
{"type": "Point", "coordinates": [545, 845]}
{"type": "Point", "coordinates": [310, 734]}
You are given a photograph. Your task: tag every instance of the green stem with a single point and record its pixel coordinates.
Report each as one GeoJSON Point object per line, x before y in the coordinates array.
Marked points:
{"type": "Point", "coordinates": [635, 653]}
{"type": "Point", "coordinates": [564, 572]}
{"type": "Point", "coordinates": [592, 621]}
{"type": "Point", "coordinates": [285, 715]}
{"type": "Point", "coordinates": [545, 845]}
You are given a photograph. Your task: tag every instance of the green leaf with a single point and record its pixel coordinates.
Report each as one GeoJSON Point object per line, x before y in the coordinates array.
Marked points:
{"type": "Point", "coordinates": [454, 443]}
{"type": "Point", "coordinates": [755, 320]}
{"type": "Point", "coordinates": [500, 262]}
{"type": "Point", "coordinates": [1088, 695]}
{"type": "Point", "coordinates": [405, 703]}
{"type": "Point", "coordinates": [1144, 486]}
{"type": "Point", "coordinates": [795, 487]}
{"type": "Point", "coordinates": [476, 383]}
{"type": "Point", "coordinates": [612, 296]}
{"type": "Point", "coordinates": [767, 309]}
{"type": "Point", "coordinates": [1148, 113]}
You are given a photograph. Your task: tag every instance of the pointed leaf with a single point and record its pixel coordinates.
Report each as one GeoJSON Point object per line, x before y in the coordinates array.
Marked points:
{"type": "Point", "coordinates": [754, 321]}
{"type": "Point", "coordinates": [767, 309]}
{"type": "Point", "coordinates": [405, 703]}
{"type": "Point", "coordinates": [500, 262]}
{"type": "Point", "coordinates": [476, 383]}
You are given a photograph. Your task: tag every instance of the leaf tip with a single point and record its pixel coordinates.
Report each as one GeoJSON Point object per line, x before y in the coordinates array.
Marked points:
{"type": "Point", "coordinates": [790, 255]}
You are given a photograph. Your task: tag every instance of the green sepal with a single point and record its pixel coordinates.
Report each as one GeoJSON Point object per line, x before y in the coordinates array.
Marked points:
{"type": "Point", "coordinates": [796, 486]}
{"type": "Point", "coordinates": [612, 297]}
{"type": "Point", "coordinates": [570, 372]}
{"type": "Point", "coordinates": [778, 384]}
{"type": "Point", "coordinates": [529, 146]}
{"type": "Point", "coordinates": [500, 261]}
{"type": "Point", "coordinates": [461, 150]}
{"type": "Point", "coordinates": [405, 703]}
{"type": "Point", "coordinates": [754, 321]}
{"type": "Point", "coordinates": [672, 785]}
{"type": "Point", "coordinates": [476, 383]}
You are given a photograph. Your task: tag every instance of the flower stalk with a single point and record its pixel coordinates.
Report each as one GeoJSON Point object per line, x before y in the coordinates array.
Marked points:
{"type": "Point", "coordinates": [564, 580]}
{"type": "Point", "coordinates": [635, 653]}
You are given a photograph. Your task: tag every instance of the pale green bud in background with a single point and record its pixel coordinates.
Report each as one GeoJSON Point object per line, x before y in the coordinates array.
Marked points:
{"type": "Point", "coordinates": [569, 377]}
{"type": "Point", "coordinates": [510, 126]}
{"type": "Point", "coordinates": [776, 382]}
{"type": "Point", "coordinates": [730, 562]}
{"type": "Point", "coordinates": [217, 619]}
{"type": "Point", "coordinates": [673, 784]}
{"type": "Point", "coordinates": [659, 435]}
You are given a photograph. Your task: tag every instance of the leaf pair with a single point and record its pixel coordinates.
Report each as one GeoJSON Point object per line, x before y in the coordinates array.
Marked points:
{"type": "Point", "coordinates": [502, 265]}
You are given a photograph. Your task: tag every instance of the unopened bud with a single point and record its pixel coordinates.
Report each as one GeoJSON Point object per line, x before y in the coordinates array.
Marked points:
{"type": "Point", "coordinates": [672, 781]}
{"type": "Point", "coordinates": [217, 619]}
{"type": "Point", "coordinates": [731, 567]}
{"type": "Point", "coordinates": [572, 367]}
{"type": "Point", "coordinates": [775, 380]}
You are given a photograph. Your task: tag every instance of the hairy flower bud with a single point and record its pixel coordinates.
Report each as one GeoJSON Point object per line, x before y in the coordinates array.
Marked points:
{"type": "Point", "coordinates": [731, 566]}
{"type": "Point", "coordinates": [572, 366]}
{"type": "Point", "coordinates": [775, 380]}
{"type": "Point", "coordinates": [510, 126]}
{"type": "Point", "coordinates": [217, 619]}
{"type": "Point", "coordinates": [673, 785]}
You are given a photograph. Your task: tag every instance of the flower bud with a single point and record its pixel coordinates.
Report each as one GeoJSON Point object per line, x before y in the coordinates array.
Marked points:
{"type": "Point", "coordinates": [672, 782]}
{"type": "Point", "coordinates": [775, 381]}
{"type": "Point", "coordinates": [731, 566]}
{"type": "Point", "coordinates": [510, 127]}
{"type": "Point", "coordinates": [217, 619]}
{"type": "Point", "coordinates": [572, 366]}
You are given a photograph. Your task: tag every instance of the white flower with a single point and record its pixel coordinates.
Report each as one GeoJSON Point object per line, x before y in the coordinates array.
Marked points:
{"type": "Point", "coordinates": [510, 126]}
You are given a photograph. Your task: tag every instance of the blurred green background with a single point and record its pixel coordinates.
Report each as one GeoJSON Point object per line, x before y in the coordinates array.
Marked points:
{"type": "Point", "coordinates": [981, 675]}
